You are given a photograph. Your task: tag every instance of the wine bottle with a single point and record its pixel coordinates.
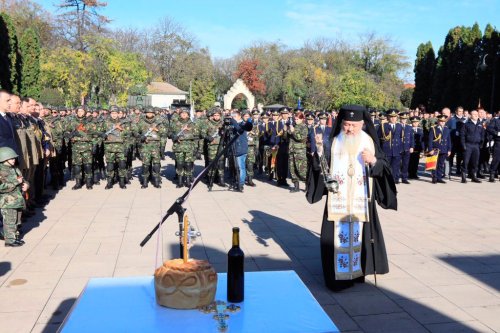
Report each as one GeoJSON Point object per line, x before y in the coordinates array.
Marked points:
{"type": "Point", "coordinates": [235, 272]}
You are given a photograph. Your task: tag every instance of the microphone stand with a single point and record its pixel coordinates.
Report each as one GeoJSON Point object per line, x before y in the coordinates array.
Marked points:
{"type": "Point", "coordinates": [177, 205]}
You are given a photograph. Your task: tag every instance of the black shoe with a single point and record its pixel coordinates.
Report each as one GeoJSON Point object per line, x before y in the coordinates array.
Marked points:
{"type": "Point", "coordinates": [492, 178]}
{"type": "Point", "coordinates": [396, 182]}
{"type": "Point", "coordinates": [405, 181]}
{"type": "Point", "coordinates": [109, 185]}
{"type": "Point", "coordinates": [239, 188]}
{"type": "Point", "coordinates": [144, 183]}
{"type": "Point", "coordinates": [156, 182]}
{"type": "Point", "coordinates": [122, 183]}
{"type": "Point", "coordinates": [250, 182]}
{"type": "Point", "coordinates": [2, 237]}
{"type": "Point", "coordinates": [464, 179]}
{"type": "Point", "coordinates": [295, 188]}
{"type": "Point", "coordinates": [15, 243]}
{"type": "Point", "coordinates": [221, 183]}
{"type": "Point", "coordinates": [480, 175]}
{"type": "Point", "coordinates": [434, 181]}
{"type": "Point", "coordinates": [440, 181]}
{"type": "Point", "coordinates": [475, 180]}
{"type": "Point", "coordinates": [78, 185]}
{"type": "Point", "coordinates": [89, 184]}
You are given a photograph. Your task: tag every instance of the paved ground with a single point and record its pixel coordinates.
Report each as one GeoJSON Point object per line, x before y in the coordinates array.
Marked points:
{"type": "Point", "coordinates": [443, 249]}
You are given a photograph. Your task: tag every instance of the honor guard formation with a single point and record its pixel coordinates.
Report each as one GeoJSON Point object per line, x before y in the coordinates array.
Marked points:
{"type": "Point", "coordinates": [47, 146]}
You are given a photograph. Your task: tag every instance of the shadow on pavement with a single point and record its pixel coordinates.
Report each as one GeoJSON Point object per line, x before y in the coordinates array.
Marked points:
{"type": "Point", "coordinates": [481, 268]}
{"type": "Point", "coordinates": [5, 267]}
{"type": "Point", "coordinates": [57, 317]}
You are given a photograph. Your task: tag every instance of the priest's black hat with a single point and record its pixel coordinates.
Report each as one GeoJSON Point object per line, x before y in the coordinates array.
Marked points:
{"type": "Point", "coordinates": [352, 112]}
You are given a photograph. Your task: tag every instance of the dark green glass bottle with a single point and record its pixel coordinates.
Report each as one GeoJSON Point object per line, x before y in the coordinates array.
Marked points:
{"type": "Point", "coordinates": [235, 270]}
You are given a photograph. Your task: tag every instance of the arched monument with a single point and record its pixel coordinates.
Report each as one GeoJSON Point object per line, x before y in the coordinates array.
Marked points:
{"type": "Point", "coordinates": [239, 87]}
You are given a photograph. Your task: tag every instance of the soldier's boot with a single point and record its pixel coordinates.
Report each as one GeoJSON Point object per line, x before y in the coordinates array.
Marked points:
{"type": "Point", "coordinates": [492, 177]}
{"type": "Point", "coordinates": [77, 172]}
{"type": "Point", "coordinates": [156, 182]}
{"type": "Point", "coordinates": [103, 174]}
{"type": "Point", "coordinates": [129, 176]}
{"type": "Point", "coordinates": [110, 167]}
{"type": "Point", "coordinates": [464, 178]}
{"type": "Point", "coordinates": [144, 182]}
{"type": "Point", "coordinates": [88, 175]}
{"type": "Point", "coordinates": [180, 181]}
{"type": "Point", "coordinates": [175, 167]}
{"type": "Point", "coordinates": [122, 183]}
{"type": "Point", "coordinates": [156, 175]}
{"type": "Point", "coordinates": [250, 181]}
{"type": "Point", "coordinates": [295, 188]}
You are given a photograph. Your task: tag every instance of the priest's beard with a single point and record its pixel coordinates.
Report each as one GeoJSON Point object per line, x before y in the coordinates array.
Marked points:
{"type": "Point", "coordinates": [349, 143]}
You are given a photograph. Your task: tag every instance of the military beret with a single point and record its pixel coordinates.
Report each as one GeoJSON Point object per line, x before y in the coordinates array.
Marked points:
{"type": "Point", "coordinates": [392, 113]}
{"type": "Point", "coordinates": [114, 108]}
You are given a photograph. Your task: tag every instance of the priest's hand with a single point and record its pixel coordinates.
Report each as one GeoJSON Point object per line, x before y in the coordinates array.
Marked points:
{"type": "Point", "coordinates": [368, 157]}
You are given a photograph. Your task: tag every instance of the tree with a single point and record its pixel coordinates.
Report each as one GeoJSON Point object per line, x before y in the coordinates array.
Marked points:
{"type": "Point", "coordinates": [406, 97]}
{"type": "Point", "coordinates": [424, 70]}
{"type": "Point", "coordinates": [30, 74]}
{"type": "Point", "coordinates": [250, 74]}
{"type": "Point", "coordinates": [81, 22]}
{"type": "Point", "coordinates": [10, 61]}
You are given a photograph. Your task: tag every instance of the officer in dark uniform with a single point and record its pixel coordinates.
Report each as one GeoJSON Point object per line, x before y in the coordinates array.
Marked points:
{"type": "Point", "coordinates": [323, 130]}
{"type": "Point", "coordinates": [471, 138]}
{"type": "Point", "coordinates": [274, 142]}
{"type": "Point", "coordinates": [408, 142]}
{"type": "Point", "coordinates": [282, 161]}
{"type": "Point", "coordinates": [439, 143]}
{"type": "Point", "coordinates": [456, 141]}
{"type": "Point", "coordinates": [493, 130]}
{"type": "Point", "coordinates": [418, 138]}
{"type": "Point", "coordinates": [390, 135]}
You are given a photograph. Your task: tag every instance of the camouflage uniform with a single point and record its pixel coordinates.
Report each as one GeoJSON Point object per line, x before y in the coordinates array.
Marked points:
{"type": "Point", "coordinates": [297, 152]}
{"type": "Point", "coordinates": [201, 125]}
{"type": "Point", "coordinates": [79, 131]}
{"type": "Point", "coordinates": [56, 161]}
{"type": "Point", "coordinates": [97, 148]}
{"type": "Point", "coordinates": [116, 141]}
{"type": "Point", "coordinates": [212, 137]}
{"type": "Point", "coordinates": [151, 131]}
{"type": "Point", "coordinates": [185, 136]}
{"type": "Point", "coordinates": [253, 149]}
{"type": "Point", "coordinates": [11, 201]}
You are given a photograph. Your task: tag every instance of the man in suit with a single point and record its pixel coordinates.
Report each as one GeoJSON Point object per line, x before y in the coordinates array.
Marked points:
{"type": "Point", "coordinates": [390, 135]}
{"type": "Point", "coordinates": [439, 143]}
{"type": "Point", "coordinates": [7, 136]}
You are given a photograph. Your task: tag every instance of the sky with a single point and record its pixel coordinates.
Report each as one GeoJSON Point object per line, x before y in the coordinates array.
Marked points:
{"type": "Point", "coordinates": [226, 26]}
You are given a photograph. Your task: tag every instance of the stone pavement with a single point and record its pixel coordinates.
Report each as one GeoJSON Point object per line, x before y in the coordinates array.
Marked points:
{"type": "Point", "coordinates": [443, 247]}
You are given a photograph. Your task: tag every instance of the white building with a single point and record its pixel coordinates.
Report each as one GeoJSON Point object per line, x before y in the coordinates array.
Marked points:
{"type": "Point", "coordinates": [162, 94]}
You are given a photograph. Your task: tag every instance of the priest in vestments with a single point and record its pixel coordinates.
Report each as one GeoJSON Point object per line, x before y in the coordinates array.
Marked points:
{"type": "Point", "coordinates": [350, 219]}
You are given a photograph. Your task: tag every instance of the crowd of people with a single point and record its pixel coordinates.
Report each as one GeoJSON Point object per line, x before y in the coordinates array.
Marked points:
{"type": "Point", "coordinates": [47, 146]}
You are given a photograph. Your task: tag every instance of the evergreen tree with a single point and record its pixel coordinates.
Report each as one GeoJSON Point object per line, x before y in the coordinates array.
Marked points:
{"type": "Point", "coordinates": [424, 69]}
{"type": "Point", "coordinates": [9, 57]}
{"type": "Point", "coordinates": [30, 73]}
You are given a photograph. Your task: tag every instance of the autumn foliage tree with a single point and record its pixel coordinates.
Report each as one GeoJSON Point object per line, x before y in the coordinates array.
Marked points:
{"type": "Point", "coordinates": [248, 70]}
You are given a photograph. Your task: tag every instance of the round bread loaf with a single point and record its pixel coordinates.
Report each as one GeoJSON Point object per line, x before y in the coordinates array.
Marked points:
{"type": "Point", "coordinates": [187, 285]}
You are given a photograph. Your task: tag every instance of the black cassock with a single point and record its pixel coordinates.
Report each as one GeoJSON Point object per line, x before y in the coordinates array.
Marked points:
{"type": "Point", "coordinates": [384, 193]}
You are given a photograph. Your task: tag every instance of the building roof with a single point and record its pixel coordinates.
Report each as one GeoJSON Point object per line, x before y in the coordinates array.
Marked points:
{"type": "Point", "coordinates": [409, 85]}
{"type": "Point", "coordinates": [164, 88]}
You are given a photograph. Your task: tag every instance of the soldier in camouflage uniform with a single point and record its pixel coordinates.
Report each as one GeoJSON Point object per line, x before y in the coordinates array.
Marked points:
{"type": "Point", "coordinates": [253, 149]}
{"type": "Point", "coordinates": [12, 186]}
{"type": "Point", "coordinates": [56, 162]}
{"type": "Point", "coordinates": [185, 136]}
{"type": "Point", "coordinates": [97, 144]}
{"type": "Point", "coordinates": [212, 136]}
{"type": "Point", "coordinates": [116, 141]}
{"type": "Point", "coordinates": [201, 124]}
{"type": "Point", "coordinates": [79, 131]}
{"type": "Point", "coordinates": [151, 130]}
{"type": "Point", "coordinates": [297, 150]}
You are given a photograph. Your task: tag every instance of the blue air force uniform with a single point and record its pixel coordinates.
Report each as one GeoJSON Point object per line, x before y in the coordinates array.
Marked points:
{"type": "Point", "coordinates": [493, 130]}
{"type": "Point", "coordinates": [471, 138]}
{"type": "Point", "coordinates": [391, 140]}
{"type": "Point", "coordinates": [439, 142]}
{"type": "Point", "coordinates": [407, 142]}
{"type": "Point", "coordinates": [418, 140]}
{"type": "Point", "coordinates": [326, 132]}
